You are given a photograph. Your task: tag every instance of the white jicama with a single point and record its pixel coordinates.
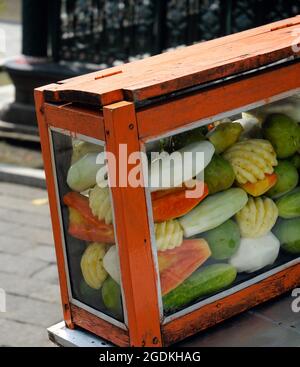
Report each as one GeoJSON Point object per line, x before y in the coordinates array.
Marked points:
{"type": "Point", "coordinates": [111, 264]}
{"type": "Point", "coordinates": [171, 170]}
{"type": "Point", "coordinates": [82, 174]}
{"type": "Point", "coordinates": [255, 253]}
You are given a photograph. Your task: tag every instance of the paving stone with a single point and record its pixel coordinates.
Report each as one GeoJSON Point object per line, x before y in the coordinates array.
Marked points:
{"type": "Point", "coordinates": [15, 334]}
{"type": "Point", "coordinates": [7, 227]}
{"type": "Point", "coordinates": [279, 311]}
{"type": "Point", "coordinates": [13, 245]}
{"type": "Point", "coordinates": [28, 287]}
{"type": "Point", "coordinates": [22, 192]}
{"type": "Point", "coordinates": [37, 235]}
{"type": "Point", "coordinates": [245, 330]}
{"type": "Point", "coordinates": [20, 265]}
{"type": "Point", "coordinates": [48, 274]}
{"type": "Point", "coordinates": [31, 311]}
{"type": "Point", "coordinates": [45, 253]}
{"type": "Point", "coordinates": [48, 293]}
{"type": "Point", "coordinates": [27, 206]}
{"type": "Point", "coordinates": [28, 219]}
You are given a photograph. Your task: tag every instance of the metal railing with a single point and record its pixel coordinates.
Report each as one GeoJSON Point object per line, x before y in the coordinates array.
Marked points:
{"type": "Point", "coordinates": [106, 32]}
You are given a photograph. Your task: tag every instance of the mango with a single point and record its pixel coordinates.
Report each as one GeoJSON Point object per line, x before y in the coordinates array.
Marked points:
{"type": "Point", "coordinates": [225, 135]}
{"type": "Point", "coordinates": [218, 175]}
{"type": "Point", "coordinates": [223, 240]}
{"type": "Point", "coordinates": [112, 298]}
{"type": "Point", "coordinates": [283, 133]}
{"type": "Point", "coordinates": [287, 179]}
{"type": "Point", "coordinates": [288, 233]}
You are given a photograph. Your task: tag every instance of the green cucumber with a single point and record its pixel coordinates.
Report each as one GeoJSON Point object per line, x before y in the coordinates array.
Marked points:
{"type": "Point", "coordinates": [203, 282]}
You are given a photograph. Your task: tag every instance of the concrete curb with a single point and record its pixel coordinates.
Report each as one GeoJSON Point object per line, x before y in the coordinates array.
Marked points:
{"type": "Point", "coordinates": [23, 175]}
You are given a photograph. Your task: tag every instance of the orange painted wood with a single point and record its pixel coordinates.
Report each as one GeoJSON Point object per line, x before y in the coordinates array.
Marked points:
{"type": "Point", "coordinates": [229, 306]}
{"type": "Point", "coordinates": [168, 116]}
{"type": "Point", "coordinates": [54, 205]}
{"type": "Point", "coordinates": [78, 120]}
{"type": "Point", "coordinates": [132, 228]}
{"type": "Point", "coordinates": [102, 328]}
{"type": "Point", "coordinates": [182, 68]}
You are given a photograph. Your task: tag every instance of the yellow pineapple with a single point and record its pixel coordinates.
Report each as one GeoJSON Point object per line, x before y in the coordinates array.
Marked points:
{"type": "Point", "coordinates": [251, 160]}
{"type": "Point", "coordinates": [91, 264]}
{"type": "Point", "coordinates": [168, 234]}
{"type": "Point", "coordinates": [257, 217]}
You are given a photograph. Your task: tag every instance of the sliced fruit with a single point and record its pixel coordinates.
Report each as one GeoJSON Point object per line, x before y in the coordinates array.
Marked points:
{"type": "Point", "coordinates": [178, 264]}
{"type": "Point", "coordinates": [99, 202]}
{"type": "Point", "coordinates": [257, 217]}
{"type": "Point", "coordinates": [168, 235]}
{"type": "Point", "coordinates": [170, 204]}
{"type": "Point", "coordinates": [251, 160]}
{"type": "Point", "coordinates": [83, 224]}
{"type": "Point", "coordinates": [224, 135]}
{"type": "Point", "coordinates": [260, 187]}
{"type": "Point", "coordinates": [91, 265]}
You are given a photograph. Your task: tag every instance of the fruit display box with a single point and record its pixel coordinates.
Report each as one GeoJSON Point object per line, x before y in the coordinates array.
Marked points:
{"type": "Point", "coordinates": [173, 186]}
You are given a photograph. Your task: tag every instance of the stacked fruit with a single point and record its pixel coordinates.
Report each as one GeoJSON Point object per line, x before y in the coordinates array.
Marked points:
{"type": "Point", "coordinates": [248, 208]}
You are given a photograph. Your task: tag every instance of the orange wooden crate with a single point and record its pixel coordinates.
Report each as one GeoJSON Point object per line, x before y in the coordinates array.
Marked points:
{"type": "Point", "coordinates": [142, 101]}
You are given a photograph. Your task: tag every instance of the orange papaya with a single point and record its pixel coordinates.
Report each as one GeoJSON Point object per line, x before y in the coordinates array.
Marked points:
{"type": "Point", "coordinates": [260, 187]}
{"type": "Point", "coordinates": [173, 203]}
{"type": "Point", "coordinates": [83, 224]}
{"type": "Point", "coordinates": [178, 264]}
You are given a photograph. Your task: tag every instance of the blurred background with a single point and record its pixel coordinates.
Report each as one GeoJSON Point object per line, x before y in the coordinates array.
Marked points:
{"type": "Point", "coordinates": [45, 41]}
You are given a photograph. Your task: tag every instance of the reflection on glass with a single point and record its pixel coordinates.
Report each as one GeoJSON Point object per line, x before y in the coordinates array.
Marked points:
{"type": "Point", "coordinates": [245, 220]}
{"type": "Point", "coordinates": [88, 226]}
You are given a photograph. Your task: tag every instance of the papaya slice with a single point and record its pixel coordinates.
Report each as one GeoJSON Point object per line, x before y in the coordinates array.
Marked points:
{"type": "Point", "coordinates": [83, 224]}
{"type": "Point", "coordinates": [178, 264]}
{"type": "Point", "coordinates": [260, 187]}
{"type": "Point", "coordinates": [173, 203]}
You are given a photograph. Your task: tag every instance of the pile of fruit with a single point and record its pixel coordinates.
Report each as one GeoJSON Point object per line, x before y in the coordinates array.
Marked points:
{"type": "Point", "coordinates": [248, 213]}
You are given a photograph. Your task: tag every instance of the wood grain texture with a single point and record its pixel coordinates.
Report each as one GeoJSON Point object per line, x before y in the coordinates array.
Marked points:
{"type": "Point", "coordinates": [229, 306]}
{"type": "Point", "coordinates": [175, 114]}
{"type": "Point", "coordinates": [139, 277]}
{"type": "Point", "coordinates": [54, 205]}
{"type": "Point", "coordinates": [182, 68]}
{"type": "Point", "coordinates": [100, 327]}
{"type": "Point", "coordinates": [78, 120]}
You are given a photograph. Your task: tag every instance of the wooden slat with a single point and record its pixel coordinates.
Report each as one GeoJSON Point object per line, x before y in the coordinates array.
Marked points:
{"type": "Point", "coordinates": [229, 306]}
{"type": "Point", "coordinates": [165, 117]}
{"type": "Point", "coordinates": [78, 120]}
{"type": "Point", "coordinates": [182, 68]}
{"type": "Point", "coordinates": [99, 327]}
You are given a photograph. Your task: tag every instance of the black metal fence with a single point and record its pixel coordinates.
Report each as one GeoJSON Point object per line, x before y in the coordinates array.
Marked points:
{"type": "Point", "coordinates": [105, 32]}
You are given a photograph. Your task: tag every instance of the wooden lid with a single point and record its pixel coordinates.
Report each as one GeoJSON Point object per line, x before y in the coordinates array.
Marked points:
{"type": "Point", "coordinates": [183, 68]}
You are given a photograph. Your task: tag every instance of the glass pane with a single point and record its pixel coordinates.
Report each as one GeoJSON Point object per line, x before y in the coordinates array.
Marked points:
{"type": "Point", "coordinates": [87, 216]}
{"type": "Point", "coordinates": [245, 217]}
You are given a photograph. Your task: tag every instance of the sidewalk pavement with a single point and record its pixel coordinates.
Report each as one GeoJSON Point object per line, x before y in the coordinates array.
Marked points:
{"type": "Point", "coordinates": [28, 272]}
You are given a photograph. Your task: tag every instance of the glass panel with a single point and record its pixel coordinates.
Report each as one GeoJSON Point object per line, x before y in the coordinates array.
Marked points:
{"type": "Point", "coordinates": [87, 217]}
{"type": "Point", "coordinates": [245, 218]}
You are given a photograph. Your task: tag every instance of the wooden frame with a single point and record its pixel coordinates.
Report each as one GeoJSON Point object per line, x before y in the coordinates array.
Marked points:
{"type": "Point", "coordinates": [117, 121]}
